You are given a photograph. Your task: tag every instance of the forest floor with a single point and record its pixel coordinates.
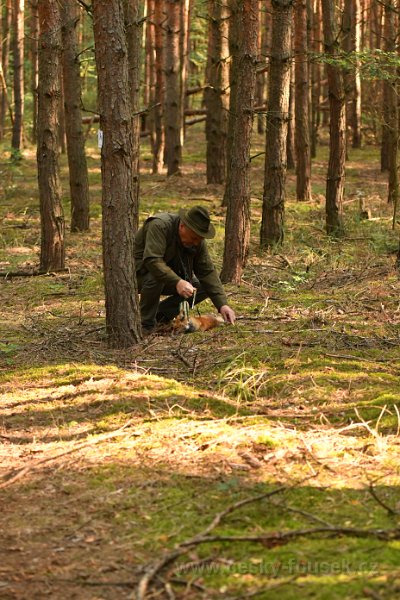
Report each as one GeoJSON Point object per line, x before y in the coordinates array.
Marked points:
{"type": "Point", "coordinates": [260, 460]}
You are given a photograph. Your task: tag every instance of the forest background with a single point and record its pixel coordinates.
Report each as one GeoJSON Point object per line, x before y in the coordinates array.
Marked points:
{"type": "Point", "coordinates": [259, 460]}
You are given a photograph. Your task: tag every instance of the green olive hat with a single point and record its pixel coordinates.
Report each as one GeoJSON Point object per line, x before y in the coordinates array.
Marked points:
{"type": "Point", "coordinates": [198, 220]}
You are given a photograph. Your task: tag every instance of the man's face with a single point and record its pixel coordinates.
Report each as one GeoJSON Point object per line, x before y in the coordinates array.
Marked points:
{"type": "Point", "coordinates": [189, 239]}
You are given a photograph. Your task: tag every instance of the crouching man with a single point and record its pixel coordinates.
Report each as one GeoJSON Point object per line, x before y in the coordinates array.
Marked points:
{"type": "Point", "coordinates": [172, 259]}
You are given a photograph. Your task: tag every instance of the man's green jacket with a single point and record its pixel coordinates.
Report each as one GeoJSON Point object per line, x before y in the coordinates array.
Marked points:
{"type": "Point", "coordinates": [158, 250]}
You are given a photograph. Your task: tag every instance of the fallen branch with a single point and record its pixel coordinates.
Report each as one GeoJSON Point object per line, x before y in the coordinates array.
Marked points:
{"type": "Point", "coordinates": [269, 540]}
{"type": "Point", "coordinates": [389, 509]}
{"type": "Point", "coordinates": [154, 569]}
{"type": "Point", "coordinates": [10, 274]}
{"type": "Point", "coordinates": [278, 537]}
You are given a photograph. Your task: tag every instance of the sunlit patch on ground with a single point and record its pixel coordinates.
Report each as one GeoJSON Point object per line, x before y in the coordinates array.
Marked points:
{"type": "Point", "coordinates": [109, 459]}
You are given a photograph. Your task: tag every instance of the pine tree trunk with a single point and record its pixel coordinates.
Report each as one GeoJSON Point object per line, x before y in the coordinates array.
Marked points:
{"type": "Point", "coordinates": [61, 116]}
{"type": "Point", "coordinates": [184, 41]}
{"type": "Point", "coordinates": [134, 33]}
{"type": "Point", "coordinates": [237, 226]}
{"type": "Point", "coordinates": [262, 62]}
{"type": "Point", "coordinates": [159, 140]}
{"type": "Point", "coordinates": [3, 86]}
{"type": "Point", "coordinates": [233, 39]}
{"type": "Point", "coordinates": [391, 105]}
{"type": "Point", "coordinates": [33, 45]}
{"type": "Point", "coordinates": [357, 104]}
{"type": "Point", "coordinates": [117, 158]}
{"type": "Point", "coordinates": [78, 174]}
{"type": "Point", "coordinates": [352, 78]}
{"type": "Point", "coordinates": [172, 111]}
{"type": "Point", "coordinates": [217, 91]}
{"type": "Point", "coordinates": [150, 53]}
{"type": "Point", "coordinates": [18, 65]}
{"type": "Point", "coordinates": [302, 137]}
{"type": "Point", "coordinates": [277, 123]}
{"type": "Point", "coordinates": [5, 102]}
{"type": "Point", "coordinates": [290, 143]}
{"type": "Point", "coordinates": [316, 78]}
{"type": "Point", "coordinates": [52, 251]}
{"type": "Point", "coordinates": [387, 93]}
{"type": "Point", "coordinates": [337, 127]}
{"type": "Point", "coordinates": [154, 58]}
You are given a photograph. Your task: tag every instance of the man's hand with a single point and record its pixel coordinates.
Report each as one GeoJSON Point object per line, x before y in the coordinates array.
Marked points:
{"type": "Point", "coordinates": [184, 288]}
{"type": "Point", "coordinates": [228, 314]}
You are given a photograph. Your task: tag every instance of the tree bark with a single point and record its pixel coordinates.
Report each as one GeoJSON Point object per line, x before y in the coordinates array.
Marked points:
{"type": "Point", "coordinates": [302, 136]}
{"type": "Point", "coordinates": [33, 46]}
{"type": "Point", "coordinates": [352, 78]}
{"type": "Point", "coordinates": [117, 159]}
{"type": "Point", "coordinates": [316, 77]}
{"type": "Point", "coordinates": [3, 87]}
{"type": "Point", "coordinates": [290, 143]}
{"type": "Point", "coordinates": [172, 111]}
{"type": "Point", "coordinates": [18, 65]}
{"type": "Point", "coordinates": [184, 42]}
{"type": "Point", "coordinates": [52, 251]}
{"type": "Point", "coordinates": [159, 91]}
{"type": "Point", "coordinates": [234, 41]}
{"type": "Point", "coordinates": [337, 126]}
{"type": "Point", "coordinates": [237, 226]}
{"type": "Point", "coordinates": [155, 58]}
{"type": "Point", "coordinates": [134, 33]}
{"type": "Point", "coordinates": [391, 111]}
{"type": "Point", "coordinates": [277, 123]}
{"type": "Point", "coordinates": [263, 42]}
{"type": "Point", "coordinates": [356, 102]}
{"type": "Point", "coordinates": [217, 91]}
{"type": "Point", "coordinates": [5, 103]}
{"type": "Point", "coordinates": [78, 174]}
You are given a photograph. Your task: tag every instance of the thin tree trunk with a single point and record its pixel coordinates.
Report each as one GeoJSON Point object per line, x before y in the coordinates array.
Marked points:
{"type": "Point", "coordinates": [5, 100]}
{"type": "Point", "coordinates": [33, 45]}
{"type": "Point", "coordinates": [217, 91]}
{"type": "Point", "coordinates": [61, 116]}
{"type": "Point", "coordinates": [134, 34]}
{"type": "Point", "coordinates": [337, 127]}
{"type": "Point", "coordinates": [391, 105]}
{"type": "Point", "coordinates": [172, 112]}
{"type": "Point", "coordinates": [3, 86]}
{"type": "Point", "coordinates": [262, 61]}
{"type": "Point", "coordinates": [316, 78]}
{"type": "Point", "coordinates": [357, 105]}
{"type": "Point", "coordinates": [184, 36]}
{"type": "Point", "coordinates": [290, 144]}
{"type": "Point", "coordinates": [78, 174]}
{"type": "Point", "coordinates": [52, 251]}
{"type": "Point", "coordinates": [302, 137]}
{"type": "Point", "coordinates": [352, 78]}
{"type": "Point", "coordinates": [117, 158]}
{"type": "Point", "coordinates": [237, 226]}
{"type": "Point", "coordinates": [18, 64]}
{"type": "Point", "coordinates": [386, 93]}
{"type": "Point", "coordinates": [146, 87]}
{"type": "Point", "coordinates": [234, 40]}
{"type": "Point", "coordinates": [277, 123]}
{"type": "Point", "coordinates": [159, 141]}
{"type": "Point", "coordinates": [150, 52]}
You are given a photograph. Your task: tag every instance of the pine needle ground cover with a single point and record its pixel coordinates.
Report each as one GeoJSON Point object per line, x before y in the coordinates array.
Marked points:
{"type": "Point", "coordinates": [255, 461]}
